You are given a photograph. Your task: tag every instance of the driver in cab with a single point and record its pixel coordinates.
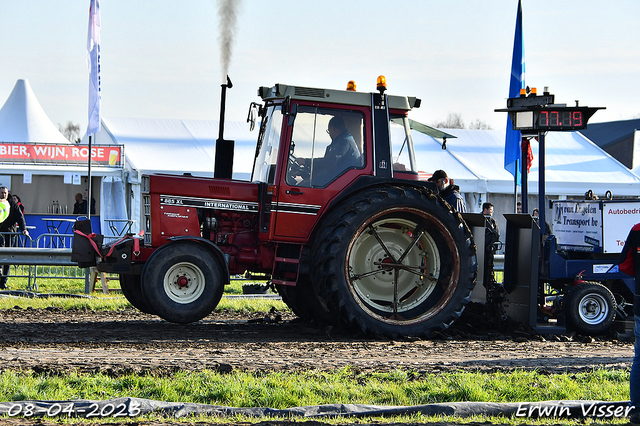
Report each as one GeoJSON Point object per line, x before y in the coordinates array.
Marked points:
{"type": "Point", "coordinates": [341, 154]}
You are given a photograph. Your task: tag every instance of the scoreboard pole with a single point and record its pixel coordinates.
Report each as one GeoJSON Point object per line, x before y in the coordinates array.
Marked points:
{"type": "Point", "coordinates": [541, 184]}
{"type": "Point", "coordinates": [536, 115]}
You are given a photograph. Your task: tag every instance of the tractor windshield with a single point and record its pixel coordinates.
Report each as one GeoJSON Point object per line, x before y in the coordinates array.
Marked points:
{"type": "Point", "coordinates": [402, 145]}
{"type": "Point", "coordinates": [264, 168]}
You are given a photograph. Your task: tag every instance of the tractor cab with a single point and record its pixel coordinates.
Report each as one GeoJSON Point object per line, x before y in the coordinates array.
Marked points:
{"type": "Point", "coordinates": [316, 143]}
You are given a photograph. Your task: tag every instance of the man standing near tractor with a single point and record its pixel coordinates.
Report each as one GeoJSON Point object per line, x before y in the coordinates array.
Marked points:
{"type": "Point", "coordinates": [449, 191]}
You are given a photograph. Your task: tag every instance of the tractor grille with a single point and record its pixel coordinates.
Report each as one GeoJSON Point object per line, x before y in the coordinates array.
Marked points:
{"type": "Point", "coordinates": [309, 91]}
{"type": "Point", "coordinates": [146, 208]}
{"type": "Point", "coordinates": [219, 190]}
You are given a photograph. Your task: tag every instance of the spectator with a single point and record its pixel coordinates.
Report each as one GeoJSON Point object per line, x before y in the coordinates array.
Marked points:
{"type": "Point", "coordinates": [10, 214]}
{"type": "Point", "coordinates": [536, 216]}
{"type": "Point", "coordinates": [80, 206]}
{"type": "Point", "coordinates": [449, 191]}
{"type": "Point", "coordinates": [93, 202]}
{"type": "Point", "coordinates": [519, 207]}
{"type": "Point", "coordinates": [491, 236]}
{"type": "Point", "coordinates": [629, 262]}
{"type": "Point", "coordinates": [17, 200]}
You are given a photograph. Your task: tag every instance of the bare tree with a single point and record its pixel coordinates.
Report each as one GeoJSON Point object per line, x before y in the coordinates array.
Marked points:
{"type": "Point", "coordinates": [71, 131]}
{"type": "Point", "coordinates": [453, 121]}
{"type": "Point", "coordinates": [478, 124]}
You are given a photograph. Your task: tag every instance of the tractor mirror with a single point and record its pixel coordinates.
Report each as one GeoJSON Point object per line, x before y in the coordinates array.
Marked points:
{"type": "Point", "coordinates": [254, 110]}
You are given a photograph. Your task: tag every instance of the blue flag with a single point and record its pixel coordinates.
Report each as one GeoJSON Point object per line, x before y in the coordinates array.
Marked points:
{"type": "Point", "coordinates": [513, 137]}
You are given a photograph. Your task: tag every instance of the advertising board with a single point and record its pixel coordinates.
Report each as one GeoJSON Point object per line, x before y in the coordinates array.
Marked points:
{"type": "Point", "coordinates": [56, 154]}
{"type": "Point", "coordinates": [577, 225]}
{"type": "Point", "coordinates": [618, 218]}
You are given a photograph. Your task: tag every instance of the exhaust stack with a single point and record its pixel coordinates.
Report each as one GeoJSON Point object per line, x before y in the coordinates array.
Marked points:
{"type": "Point", "coordinates": [223, 167]}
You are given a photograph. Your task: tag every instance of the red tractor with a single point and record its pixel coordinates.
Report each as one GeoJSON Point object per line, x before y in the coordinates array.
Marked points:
{"type": "Point", "coordinates": [334, 214]}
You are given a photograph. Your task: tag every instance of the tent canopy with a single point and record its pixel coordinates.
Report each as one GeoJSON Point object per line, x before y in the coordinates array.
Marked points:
{"type": "Point", "coordinates": [573, 164]}
{"type": "Point", "coordinates": [473, 158]}
{"type": "Point", "coordinates": [22, 118]}
{"type": "Point", "coordinates": [177, 146]}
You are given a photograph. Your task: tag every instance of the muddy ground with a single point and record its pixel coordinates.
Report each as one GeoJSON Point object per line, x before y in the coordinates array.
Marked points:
{"type": "Point", "coordinates": [129, 341]}
{"type": "Point", "coordinates": [59, 341]}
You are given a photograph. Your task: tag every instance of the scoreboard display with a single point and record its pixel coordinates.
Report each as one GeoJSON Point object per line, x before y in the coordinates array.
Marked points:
{"type": "Point", "coordinates": [552, 119]}
{"type": "Point", "coordinates": [535, 113]}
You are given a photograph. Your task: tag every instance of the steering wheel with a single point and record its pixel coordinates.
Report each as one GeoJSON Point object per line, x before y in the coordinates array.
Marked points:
{"type": "Point", "coordinates": [295, 169]}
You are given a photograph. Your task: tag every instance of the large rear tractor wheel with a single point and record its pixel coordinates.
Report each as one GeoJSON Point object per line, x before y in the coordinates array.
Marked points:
{"type": "Point", "coordinates": [394, 261]}
{"type": "Point", "coordinates": [183, 282]}
{"type": "Point", "coordinates": [590, 308]}
{"type": "Point", "coordinates": [132, 290]}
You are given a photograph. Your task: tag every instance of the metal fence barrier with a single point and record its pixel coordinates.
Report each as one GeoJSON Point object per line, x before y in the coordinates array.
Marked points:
{"type": "Point", "coordinates": [48, 256]}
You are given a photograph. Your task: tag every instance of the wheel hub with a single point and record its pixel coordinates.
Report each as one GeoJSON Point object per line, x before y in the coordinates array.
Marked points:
{"type": "Point", "coordinates": [182, 281]}
{"type": "Point", "coordinates": [593, 309]}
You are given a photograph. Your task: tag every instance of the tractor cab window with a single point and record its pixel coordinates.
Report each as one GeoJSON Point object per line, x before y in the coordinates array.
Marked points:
{"type": "Point", "coordinates": [401, 145]}
{"type": "Point", "coordinates": [324, 144]}
{"type": "Point", "coordinates": [264, 169]}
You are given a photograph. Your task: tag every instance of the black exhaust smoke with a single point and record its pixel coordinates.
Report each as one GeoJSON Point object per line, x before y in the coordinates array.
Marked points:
{"type": "Point", "coordinates": [223, 167]}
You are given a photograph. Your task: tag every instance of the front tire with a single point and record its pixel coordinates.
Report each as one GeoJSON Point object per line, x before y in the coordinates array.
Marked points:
{"type": "Point", "coordinates": [182, 282]}
{"type": "Point", "coordinates": [132, 290]}
{"type": "Point", "coordinates": [394, 261]}
{"type": "Point", "coordinates": [590, 308]}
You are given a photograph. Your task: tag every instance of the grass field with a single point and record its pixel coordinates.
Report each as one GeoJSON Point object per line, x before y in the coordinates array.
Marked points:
{"type": "Point", "coordinates": [285, 390]}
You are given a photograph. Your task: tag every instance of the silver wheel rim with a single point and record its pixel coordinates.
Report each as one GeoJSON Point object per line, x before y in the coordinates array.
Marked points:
{"type": "Point", "coordinates": [184, 283]}
{"type": "Point", "coordinates": [372, 273]}
{"type": "Point", "coordinates": [593, 309]}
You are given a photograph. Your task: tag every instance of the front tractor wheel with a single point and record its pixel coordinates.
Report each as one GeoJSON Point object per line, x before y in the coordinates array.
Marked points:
{"type": "Point", "coordinates": [590, 308]}
{"type": "Point", "coordinates": [183, 282]}
{"type": "Point", "coordinates": [132, 289]}
{"type": "Point", "coordinates": [395, 262]}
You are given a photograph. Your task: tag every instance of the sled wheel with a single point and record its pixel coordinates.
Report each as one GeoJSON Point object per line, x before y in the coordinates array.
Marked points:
{"type": "Point", "coordinates": [394, 261]}
{"type": "Point", "coordinates": [182, 282]}
{"type": "Point", "coordinates": [132, 291]}
{"type": "Point", "coordinates": [590, 307]}
{"type": "Point", "coordinates": [303, 302]}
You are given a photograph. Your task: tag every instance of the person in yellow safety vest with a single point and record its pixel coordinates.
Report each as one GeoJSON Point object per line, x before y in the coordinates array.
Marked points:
{"type": "Point", "coordinates": [10, 214]}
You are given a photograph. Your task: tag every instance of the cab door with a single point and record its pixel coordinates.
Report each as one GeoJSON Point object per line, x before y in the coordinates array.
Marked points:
{"type": "Point", "coordinates": [313, 172]}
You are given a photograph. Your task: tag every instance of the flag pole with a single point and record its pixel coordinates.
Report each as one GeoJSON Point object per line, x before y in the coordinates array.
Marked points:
{"type": "Point", "coordinates": [89, 182]}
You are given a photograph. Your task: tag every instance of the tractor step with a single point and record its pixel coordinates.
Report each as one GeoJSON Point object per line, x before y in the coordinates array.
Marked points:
{"type": "Point", "coordinates": [289, 255]}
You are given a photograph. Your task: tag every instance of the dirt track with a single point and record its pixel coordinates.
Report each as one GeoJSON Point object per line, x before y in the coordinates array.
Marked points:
{"type": "Point", "coordinates": [129, 341]}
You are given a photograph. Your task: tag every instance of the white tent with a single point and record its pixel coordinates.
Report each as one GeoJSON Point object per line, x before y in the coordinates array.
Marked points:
{"type": "Point", "coordinates": [176, 146]}
{"type": "Point", "coordinates": [475, 160]}
{"type": "Point", "coordinates": [38, 163]}
{"type": "Point", "coordinates": [22, 119]}
{"type": "Point", "coordinates": [171, 146]}
{"type": "Point", "coordinates": [573, 164]}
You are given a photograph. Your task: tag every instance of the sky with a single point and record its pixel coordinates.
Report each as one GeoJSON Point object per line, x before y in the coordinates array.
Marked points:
{"type": "Point", "coordinates": [161, 58]}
